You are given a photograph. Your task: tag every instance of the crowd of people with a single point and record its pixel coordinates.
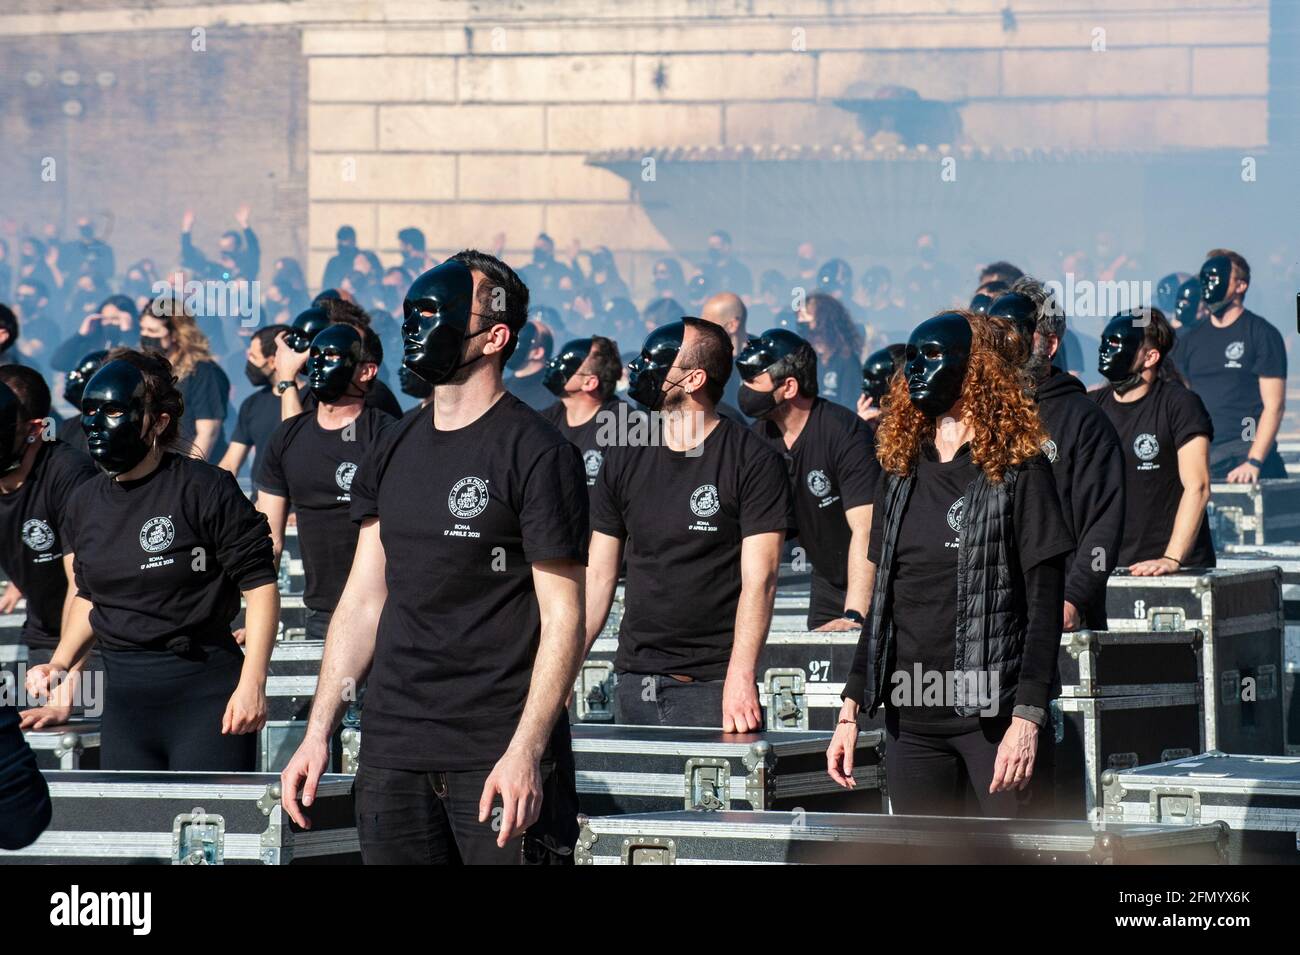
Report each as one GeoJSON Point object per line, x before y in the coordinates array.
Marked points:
{"type": "Point", "coordinates": [960, 495]}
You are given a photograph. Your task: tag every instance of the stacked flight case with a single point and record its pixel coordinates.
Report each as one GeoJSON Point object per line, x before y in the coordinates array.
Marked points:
{"type": "Point", "coordinates": [1239, 616]}
{"type": "Point", "coordinates": [1258, 797]}
{"type": "Point", "coordinates": [189, 819]}
{"type": "Point", "coordinates": [1264, 513]}
{"type": "Point", "coordinates": [793, 838]}
{"type": "Point", "coordinates": [290, 688]}
{"type": "Point", "coordinates": [74, 745]}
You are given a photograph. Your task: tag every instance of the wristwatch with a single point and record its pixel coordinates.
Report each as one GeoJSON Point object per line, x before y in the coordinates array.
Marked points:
{"type": "Point", "coordinates": [1259, 465]}
{"type": "Point", "coordinates": [853, 615]}
{"type": "Point", "coordinates": [282, 386]}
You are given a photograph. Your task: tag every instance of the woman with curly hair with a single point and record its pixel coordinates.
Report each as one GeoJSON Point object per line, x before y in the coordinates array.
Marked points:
{"type": "Point", "coordinates": [825, 321]}
{"type": "Point", "coordinates": [968, 547]}
{"type": "Point", "coordinates": [168, 327]}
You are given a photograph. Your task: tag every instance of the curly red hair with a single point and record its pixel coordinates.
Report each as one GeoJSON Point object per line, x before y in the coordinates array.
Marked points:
{"type": "Point", "coordinates": [996, 404]}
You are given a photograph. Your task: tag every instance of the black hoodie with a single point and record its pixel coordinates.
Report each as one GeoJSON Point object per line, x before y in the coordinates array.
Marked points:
{"type": "Point", "coordinates": [1088, 465]}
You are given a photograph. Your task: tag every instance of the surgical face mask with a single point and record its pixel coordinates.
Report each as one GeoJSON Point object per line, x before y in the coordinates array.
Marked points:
{"type": "Point", "coordinates": [112, 417]}
{"type": "Point", "coordinates": [541, 255]}
{"type": "Point", "coordinates": [938, 355]}
{"type": "Point", "coordinates": [756, 404]}
{"type": "Point", "coordinates": [152, 343]}
{"type": "Point", "coordinates": [256, 375]}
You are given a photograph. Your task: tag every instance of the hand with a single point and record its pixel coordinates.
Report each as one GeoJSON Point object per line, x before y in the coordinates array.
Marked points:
{"type": "Point", "coordinates": [52, 256]}
{"type": "Point", "coordinates": [867, 409]}
{"type": "Point", "coordinates": [303, 771]}
{"type": "Point", "coordinates": [498, 244]}
{"type": "Point", "coordinates": [39, 680]}
{"type": "Point", "coordinates": [1153, 568]}
{"type": "Point", "coordinates": [39, 717]}
{"type": "Point", "coordinates": [246, 711]}
{"type": "Point", "coordinates": [839, 755]}
{"type": "Point", "coordinates": [519, 782]}
{"type": "Point", "coordinates": [187, 220]}
{"type": "Point", "coordinates": [1014, 766]}
{"type": "Point", "coordinates": [241, 215]}
{"type": "Point", "coordinates": [288, 362]}
{"type": "Point", "coordinates": [9, 599]}
{"type": "Point", "coordinates": [1245, 473]}
{"type": "Point", "coordinates": [240, 635]}
{"type": "Point", "coordinates": [1070, 618]}
{"type": "Point", "coordinates": [740, 710]}
{"type": "Point", "coordinates": [838, 624]}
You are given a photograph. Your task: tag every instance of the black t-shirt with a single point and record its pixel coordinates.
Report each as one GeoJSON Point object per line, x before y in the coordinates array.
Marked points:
{"type": "Point", "coordinates": [594, 436]}
{"type": "Point", "coordinates": [924, 582]}
{"type": "Point", "coordinates": [259, 416]}
{"type": "Point", "coordinates": [379, 395]}
{"type": "Point", "coordinates": [1223, 366]}
{"type": "Point", "coordinates": [840, 380]}
{"type": "Point", "coordinates": [71, 434]}
{"type": "Point", "coordinates": [163, 559]}
{"type": "Point", "coordinates": [1151, 430]}
{"type": "Point", "coordinates": [832, 467]}
{"type": "Point", "coordinates": [684, 516]}
{"type": "Point", "coordinates": [531, 391]}
{"type": "Point", "coordinates": [312, 469]}
{"type": "Point", "coordinates": [31, 536]}
{"type": "Point", "coordinates": [462, 514]}
{"type": "Point", "coordinates": [207, 396]}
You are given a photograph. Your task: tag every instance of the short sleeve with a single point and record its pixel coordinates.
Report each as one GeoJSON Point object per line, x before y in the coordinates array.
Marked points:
{"type": "Point", "coordinates": [765, 502]}
{"type": "Point", "coordinates": [76, 470]}
{"type": "Point", "coordinates": [1188, 418]}
{"type": "Point", "coordinates": [365, 483]}
{"type": "Point", "coordinates": [270, 462]}
{"type": "Point", "coordinates": [243, 433]}
{"type": "Point", "coordinates": [1041, 530]}
{"type": "Point", "coordinates": [553, 517]}
{"type": "Point", "coordinates": [208, 393]}
{"type": "Point", "coordinates": [1269, 351]}
{"type": "Point", "coordinates": [240, 534]}
{"type": "Point", "coordinates": [606, 501]}
{"type": "Point", "coordinates": [857, 472]}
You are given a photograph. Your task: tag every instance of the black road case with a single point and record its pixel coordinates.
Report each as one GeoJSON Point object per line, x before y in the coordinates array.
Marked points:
{"type": "Point", "coordinates": [792, 838]}
{"type": "Point", "coordinates": [1263, 513]}
{"type": "Point", "coordinates": [290, 689]}
{"type": "Point", "coordinates": [1239, 614]}
{"type": "Point", "coordinates": [1258, 797]}
{"type": "Point", "coordinates": [1096, 734]}
{"type": "Point", "coordinates": [1284, 556]}
{"type": "Point", "coordinates": [651, 769]}
{"type": "Point", "coordinates": [190, 819]}
{"type": "Point", "coordinates": [1129, 663]}
{"type": "Point", "coordinates": [74, 745]}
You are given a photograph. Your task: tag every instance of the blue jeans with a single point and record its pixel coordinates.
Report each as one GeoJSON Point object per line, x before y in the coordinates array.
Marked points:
{"type": "Point", "coordinates": [644, 699]}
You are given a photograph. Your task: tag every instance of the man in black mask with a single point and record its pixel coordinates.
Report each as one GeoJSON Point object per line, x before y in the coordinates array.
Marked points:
{"type": "Point", "coordinates": [1236, 362]}
{"type": "Point", "coordinates": [584, 376]}
{"type": "Point", "coordinates": [546, 274]}
{"type": "Point", "coordinates": [1087, 461]}
{"type": "Point", "coordinates": [1189, 306]}
{"type": "Point", "coordinates": [877, 374]}
{"type": "Point", "coordinates": [830, 454]}
{"type": "Point", "coordinates": [292, 360]}
{"type": "Point", "coordinates": [37, 477]}
{"type": "Point", "coordinates": [259, 413]}
{"type": "Point", "coordinates": [239, 254]}
{"type": "Point", "coordinates": [702, 505]}
{"type": "Point", "coordinates": [340, 264]}
{"type": "Point", "coordinates": [528, 364]}
{"type": "Point", "coordinates": [309, 461]}
{"type": "Point", "coordinates": [722, 271]}
{"type": "Point", "coordinates": [464, 602]}
{"type": "Point", "coordinates": [74, 386]}
{"type": "Point", "coordinates": [415, 386]}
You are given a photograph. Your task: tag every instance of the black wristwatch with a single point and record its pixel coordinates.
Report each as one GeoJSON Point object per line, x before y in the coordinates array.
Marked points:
{"type": "Point", "coordinates": [282, 386]}
{"type": "Point", "coordinates": [1259, 465]}
{"type": "Point", "coordinates": [854, 616]}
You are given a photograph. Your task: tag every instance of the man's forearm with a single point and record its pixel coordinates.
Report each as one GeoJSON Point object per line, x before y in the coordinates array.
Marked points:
{"type": "Point", "coordinates": [559, 654]}
{"type": "Point", "coordinates": [1270, 422]}
{"type": "Point", "coordinates": [290, 404]}
{"type": "Point", "coordinates": [753, 617]}
{"type": "Point", "coordinates": [861, 574]}
{"type": "Point", "coordinates": [349, 651]}
{"type": "Point", "coordinates": [600, 597]}
{"type": "Point", "coordinates": [1187, 522]}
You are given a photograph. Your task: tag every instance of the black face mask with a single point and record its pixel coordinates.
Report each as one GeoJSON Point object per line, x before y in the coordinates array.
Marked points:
{"type": "Point", "coordinates": [761, 354]}
{"type": "Point", "coordinates": [648, 372]}
{"type": "Point", "coordinates": [152, 343]}
{"type": "Point", "coordinates": [412, 384]}
{"type": "Point", "coordinates": [309, 323]}
{"type": "Point", "coordinates": [112, 416]}
{"type": "Point", "coordinates": [74, 385]}
{"type": "Point", "coordinates": [938, 354]}
{"type": "Point", "coordinates": [87, 232]}
{"type": "Point", "coordinates": [1216, 282]}
{"type": "Point", "coordinates": [346, 247]}
{"type": "Point", "coordinates": [1121, 341]}
{"type": "Point", "coordinates": [437, 310]}
{"type": "Point", "coordinates": [12, 444]}
{"type": "Point", "coordinates": [541, 256]}
{"type": "Point", "coordinates": [756, 404]}
{"type": "Point", "coordinates": [877, 374]}
{"type": "Point", "coordinates": [335, 355]}
{"type": "Point", "coordinates": [565, 365]}
{"type": "Point", "coordinates": [256, 376]}
{"type": "Point", "coordinates": [1167, 291]}
{"type": "Point", "coordinates": [1187, 305]}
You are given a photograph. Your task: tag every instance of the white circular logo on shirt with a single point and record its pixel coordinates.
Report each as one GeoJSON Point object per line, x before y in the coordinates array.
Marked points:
{"type": "Point", "coordinates": [157, 534]}
{"type": "Point", "coordinates": [1049, 449]}
{"type": "Point", "coordinates": [38, 535]}
{"type": "Point", "coordinates": [704, 501]}
{"type": "Point", "coordinates": [468, 498]}
{"type": "Point", "coordinates": [956, 512]}
{"type": "Point", "coordinates": [343, 475]}
{"type": "Point", "coordinates": [1234, 351]}
{"type": "Point", "coordinates": [591, 461]}
{"type": "Point", "coordinates": [1146, 447]}
{"type": "Point", "coordinates": [819, 483]}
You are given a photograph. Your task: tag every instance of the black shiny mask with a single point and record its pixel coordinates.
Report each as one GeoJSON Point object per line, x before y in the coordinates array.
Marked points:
{"type": "Point", "coordinates": [565, 365]}
{"type": "Point", "coordinates": [74, 385]}
{"type": "Point", "coordinates": [1121, 342]}
{"type": "Point", "coordinates": [647, 373]}
{"type": "Point", "coordinates": [437, 312]}
{"type": "Point", "coordinates": [938, 354]}
{"type": "Point", "coordinates": [1167, 291]}
{"type": "Point", "coordinates": [309, 323]}
{"type": "Point", "coordinates": [1216, 283]}
{"type": "Point", "coordinates": [763, 351]}
{"type": "Point", "coordinates": [412, 384]}
{"type": "Point", "coordinates": [12, 444]}
{"type": "Point", "coordinates": [1021, 311]}
{"type": "Point", "coordinates": [877, 374]}
{"type": "Point", "coordinates": [112, 416]}
{"type": "Point", "coordinates": [335, 355]}
{"type": "Point", "coordinates": [1187, 305]}
{"type": "Point", "coordinates": [980, 303]}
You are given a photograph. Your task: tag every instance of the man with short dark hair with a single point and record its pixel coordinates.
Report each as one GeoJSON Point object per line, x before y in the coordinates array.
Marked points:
{"type": "Point", "coordinates": [464, 603]}
{"type": "Point", "coordinates": [340, 264]}
{"type": "Point", "coordinates": [1236, 361]}
{"type": "Point", "coordinates": [528, 362]}
{"type": "Point", "coordinates": [728, 312]}
{"type": "Point", "coordinates": [722, 271]}
{"type": "Point", "coordinates": [259, 413]}
{"type": "Point", "coordinates": [291, 360]}
{"type": "Point", "coordinates": [702, 505]}
{"type": "Point", "coordinates": [239, 255]}
{"type": "Point", "coordinates": [410, 242]}
{"type": "Point", "coordinates": [583, 376]}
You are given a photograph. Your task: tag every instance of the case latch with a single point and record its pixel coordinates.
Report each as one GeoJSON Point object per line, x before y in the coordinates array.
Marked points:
{"type": "Point", "coordinates": [787, 703]}
{"type": "Point", "coordinates": [708, 783]}
{"type": "Point", "coordinates": [1175, 806]}
{"type": "Point", "coordinates": [198, 838]}
{"type": "Point", "coordinates": [650, 850]}
{"type": "Point", "coordinates": [594, 692]}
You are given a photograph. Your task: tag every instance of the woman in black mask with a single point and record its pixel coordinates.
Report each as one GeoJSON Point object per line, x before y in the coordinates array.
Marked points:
{"type": "Point", "coordinates": [168, 328]}
{"type": "Point", "coordinates": [968, 545]}
{"type": "Point", "coordinates": [1165, 432]}
{"type": "Point", "coordinates": [160, 549]}
{"type": "Point", "coordinates": [826, 323]}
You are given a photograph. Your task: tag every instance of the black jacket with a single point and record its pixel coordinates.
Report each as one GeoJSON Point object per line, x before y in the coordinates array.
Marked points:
{"type": "Point", "coordinates": [1088, 465]}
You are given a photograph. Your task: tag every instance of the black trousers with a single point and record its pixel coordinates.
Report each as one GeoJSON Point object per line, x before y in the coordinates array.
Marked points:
{"type": "Point", "coordinates": [825, 602]}
{"type": "Point", "coordinates": [163, 712]}
{"type": "Point", "coordinates": [24, 796]}
{"type": "Point", "coordinates": [414, 817]}
{"type": "Point", "coordinates": [645, 699]}
{"type": "Point", "coordinates": [950, 775]}
{"type": "Point", "coordinates": [318, 624]}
